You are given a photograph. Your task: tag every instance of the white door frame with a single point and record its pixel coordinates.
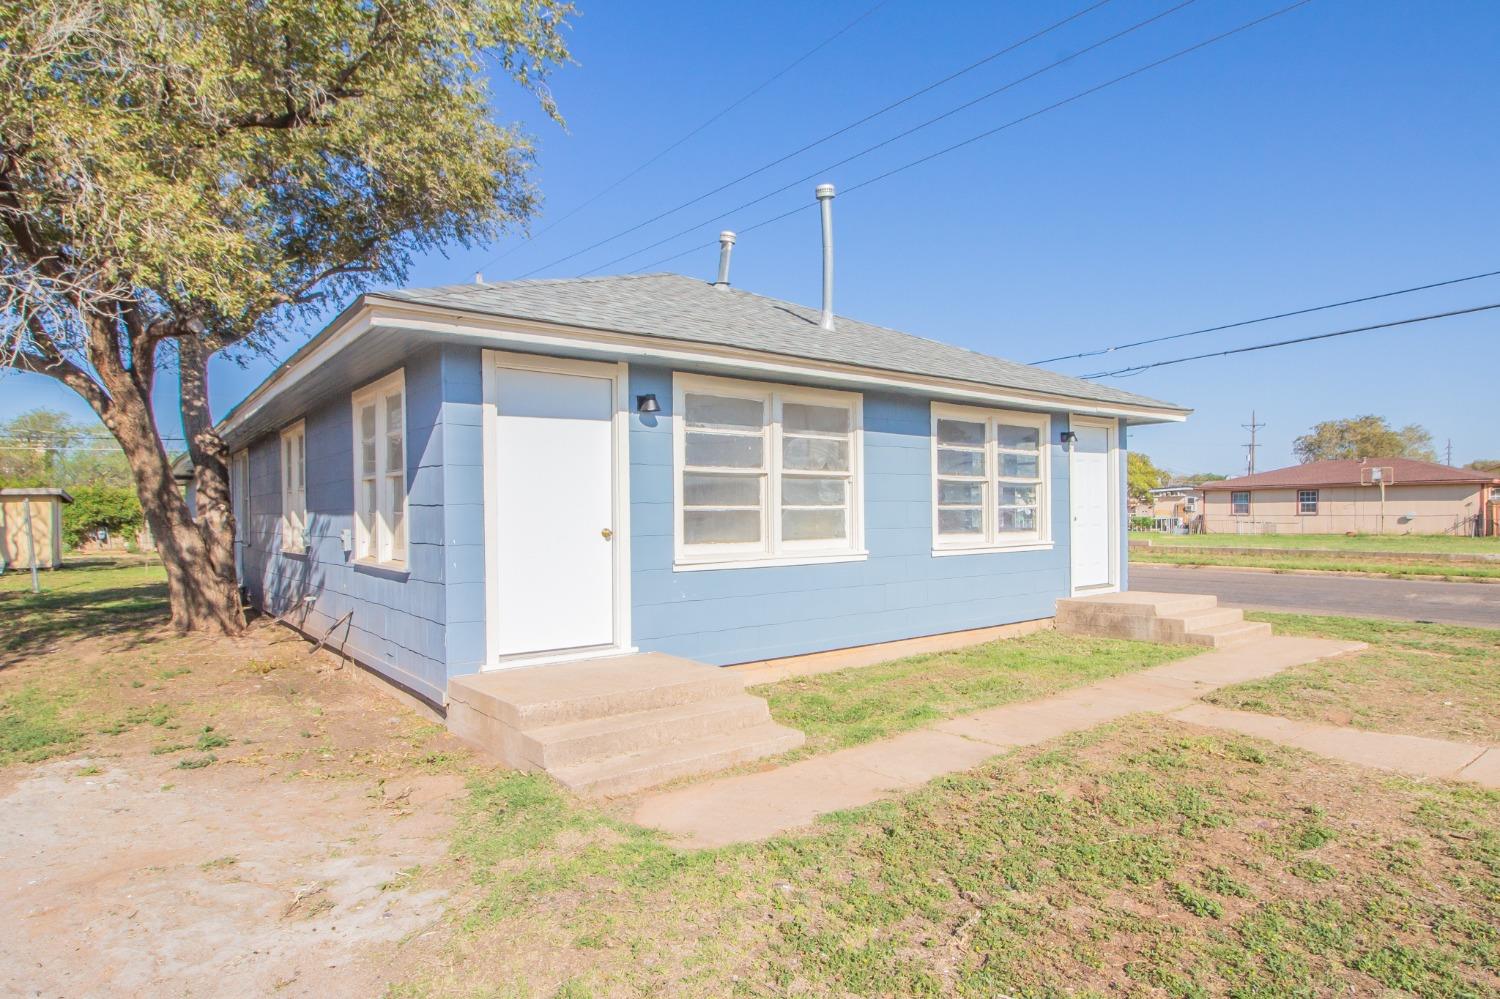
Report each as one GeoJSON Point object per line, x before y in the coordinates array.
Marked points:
{"type": "Point", "coordinates": [1116, 507]}
{"type": "Point", "coordinates": [618, 375]}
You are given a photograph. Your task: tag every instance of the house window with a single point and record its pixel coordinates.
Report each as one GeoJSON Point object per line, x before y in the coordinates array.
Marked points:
{"type": "Point", "coordinates": [989, 478]}
{"type": "Point", "coordinates": [380, 471]}
{"type": "Point", "coordinates": [294, 488]}
{"type": "Point", "coordinates": [1239, 504]}
{"type": "Point", "coordinates": [765, 472]}
{"type": "Point", "coordinates": [1307, 501]}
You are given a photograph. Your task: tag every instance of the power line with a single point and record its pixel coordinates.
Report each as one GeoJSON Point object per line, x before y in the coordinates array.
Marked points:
{"type": "Point", "coordinates": [877, 146]}
{"type": "Point", "coordinates": [1294, 340]}
{"type": "Point", "coordinates": [1266, 319]}
{"type": "Point", "coordinates": [834, 134]}
{"type": "Point", "coordinates": [707, 122]}
{"type": "Point", "coordinates": [966, 142]}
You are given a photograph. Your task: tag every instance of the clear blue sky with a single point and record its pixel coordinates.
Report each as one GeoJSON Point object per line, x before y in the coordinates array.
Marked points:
{"type": "Point", "coordinates": [1343, 149]}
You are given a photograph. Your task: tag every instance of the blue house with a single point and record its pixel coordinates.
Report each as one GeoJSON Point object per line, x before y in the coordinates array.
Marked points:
{"type": "Point", "coordinates": [478, 477]}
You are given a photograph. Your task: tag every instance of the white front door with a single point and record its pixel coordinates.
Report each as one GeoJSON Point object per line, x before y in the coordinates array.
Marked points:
{"type": "Point", "coordinates": [1092, 495]}
{"type": "Point", "coordinates": [553, 521]}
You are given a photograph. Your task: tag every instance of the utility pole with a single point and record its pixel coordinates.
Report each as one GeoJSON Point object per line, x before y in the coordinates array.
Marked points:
{"type": "Point", "coordinates": [1252, 426]}
{"type": "Point", "coordinates": [1450, 452]}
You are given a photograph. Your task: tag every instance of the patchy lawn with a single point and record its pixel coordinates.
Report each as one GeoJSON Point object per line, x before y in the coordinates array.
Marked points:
{"type": "Point", "coordinates": [1417, 679]}
{"type": "Point", "coordinates": [79, 600]}
{"type": "Point", "coordinates": [852, 706]}
{"type": "Point", "coordinates": [1317, 562]}
{"type": "Point", "coordinates": [1144, 858]}
{"type": "Point", "coordinates": [1415, 543]}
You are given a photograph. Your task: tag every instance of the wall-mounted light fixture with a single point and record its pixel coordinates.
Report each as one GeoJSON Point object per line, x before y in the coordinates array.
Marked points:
{"type": "Point", "coordinates": [647, 403]}
{"type": "Point", "coordinates": [1068, 437]}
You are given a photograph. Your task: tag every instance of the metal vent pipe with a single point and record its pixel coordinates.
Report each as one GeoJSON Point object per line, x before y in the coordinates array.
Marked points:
{"type": "Point", "coordinates": [726, 245]}
{"type": "Point", "coordinates": [825, 205]}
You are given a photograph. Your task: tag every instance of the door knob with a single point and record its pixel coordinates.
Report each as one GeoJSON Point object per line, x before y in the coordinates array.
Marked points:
{"type": "Point", "coordinates": [606, 534]}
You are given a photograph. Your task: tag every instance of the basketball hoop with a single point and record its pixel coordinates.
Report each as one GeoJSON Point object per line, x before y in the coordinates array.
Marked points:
{"type": "Point", "coordinates": [1377, 475]}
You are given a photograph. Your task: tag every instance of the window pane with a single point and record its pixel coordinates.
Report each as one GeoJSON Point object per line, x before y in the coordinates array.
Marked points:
{"type": "Point", "coordinates": [725, 450]}
{"type": "Point", "coordinates": [960, 493]}
{"type": "Point", "coordinates": [717, 411]}
{"type": "Point", "coordinates": [960, 462]}
{"type": "Point", "coordinates": [1019, 438]}
{"type": "Point", "coordinates": [720, 490]}
{"type": "Point", "coordinates": [367, 422]}
{"type": "Point", "coordinates": [1018, 495]}
{"type": "Point", "coordinates": [812, 525]}
{"type": "Point", "coordinates": [393, 421]}
{"type": "Point", "coordinates": [812, 492]}
{"type": "Point", "coordinates": [393, 458]}
{"type": "Point", "coordinates": [1020, 466]}
{"type": "Point", "coordinates": [816, 454]}
{"type": "Point", "coordinates": [961, 522]}
{"type": "Point", "coordinates": [1014, 520]}
{"type": "Point", "coordinates": [397, 515]}
{"type": "Point", "coordinates": [960, 432]}
{"type": "Point", "coordinates": [709, 527]}
{"type": "Point", "coordinates": [798, 416]}
{"type": "Point", "coordinates": [366, 518]}
{"type": "Point", "coordinates": [301, 463]}
{"type": "Point", "coordinates": [367, 458]}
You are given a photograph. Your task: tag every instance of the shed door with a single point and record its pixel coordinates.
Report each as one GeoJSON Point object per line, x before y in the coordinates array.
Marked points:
{"type": "Point", "coordinates": [1092, 493]}
{"type": "Point", "coordinates": [555, 491]}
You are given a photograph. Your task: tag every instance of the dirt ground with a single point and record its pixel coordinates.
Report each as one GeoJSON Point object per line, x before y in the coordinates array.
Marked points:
{"type": "Point", "coordinates": [234, 818]}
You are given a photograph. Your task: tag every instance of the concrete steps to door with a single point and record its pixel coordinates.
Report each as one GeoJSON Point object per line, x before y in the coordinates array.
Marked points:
{"type": "Point", "coordinates": [1170, 618]}
{"type": "Point", "coordinates": [617, 724]}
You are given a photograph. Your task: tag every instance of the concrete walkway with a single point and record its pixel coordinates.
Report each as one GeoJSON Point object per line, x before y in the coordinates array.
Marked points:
{"type": "Point", "coordinates": [1408, 754]}
{"type": "Point", "coordinates": [760, 805]}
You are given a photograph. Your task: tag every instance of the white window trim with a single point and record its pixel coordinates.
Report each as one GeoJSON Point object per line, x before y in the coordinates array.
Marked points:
{"type": "Point", "coordinates": [1301, 511]}
{"type": "Point", "coordinates": [988, 543]}
{"type": "Point", "coordinates": [293, 508]}
{"type": "Point", "coordinates": [771, 551]}
{"type": "Point", "coordinates": [376, 392]}
{"type": "Point", "coordinates": [1249, 501]}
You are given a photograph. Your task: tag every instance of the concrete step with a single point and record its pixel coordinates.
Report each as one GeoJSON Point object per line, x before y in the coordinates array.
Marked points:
{"type": "Point", "coordinates": [554, 746]}
{"type": "Point", "coordinates": [1174, 628]}
{"type": "Point", "coordinates": [1135, 603]}
{"type": "Point", "coordinates": [623, 774]}
{"type": "Point", "coordinates": [538, 696]}
{"type": "Point", "coordinates": [1226, 636]}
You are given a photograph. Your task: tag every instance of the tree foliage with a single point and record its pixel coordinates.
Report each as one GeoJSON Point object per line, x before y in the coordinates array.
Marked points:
{"type": "Point", "coordinates": [1363, 437]}
{"type": "Point", "coordinates": [47, 447]}
{"type": "Point", "coordinates": [1197, 478]}
{"type": "Point", "coordinates": [1486, 465]}
{"type": "Point", "coordinates": [1142, 476]}
{"type": "Point", "coordinates": [114, 508]}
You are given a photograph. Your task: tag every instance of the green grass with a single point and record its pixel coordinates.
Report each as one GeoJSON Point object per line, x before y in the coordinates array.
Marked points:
{"type": "Point", "coordinates": [1435, 543]}
{"type": "Point", "coordinates": [77, 601]}
{"type": "Point", "coordinates": [857, 705]}
{"type": "Point", "coordinates": [1143, 858]}
{"type": "Point", "coordinates": [1419, 679]}
{"type": "Point", "coordinates": [33, 726]}
{"type": "Point", "coordinates": [1291, 560]}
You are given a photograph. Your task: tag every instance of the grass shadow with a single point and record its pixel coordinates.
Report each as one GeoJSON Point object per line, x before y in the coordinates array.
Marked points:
{"type": "Point", "coordinates": [122, 602]}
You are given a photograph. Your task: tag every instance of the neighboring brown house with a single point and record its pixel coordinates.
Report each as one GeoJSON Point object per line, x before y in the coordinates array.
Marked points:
{"type": "Point", "coordinates": [1337, 497]}
{"type": "Point", "coordinates": [44, 526]}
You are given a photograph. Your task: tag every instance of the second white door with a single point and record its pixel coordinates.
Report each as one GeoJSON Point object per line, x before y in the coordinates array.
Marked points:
{"type": "Point", "coordinates": [1092, 492]}
{"type": "Point", "coordinates": [554, 526]}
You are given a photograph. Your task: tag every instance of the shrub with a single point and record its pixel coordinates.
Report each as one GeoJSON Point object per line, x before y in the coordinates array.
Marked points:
{"type": "Point", "coordinates": [114, 508]}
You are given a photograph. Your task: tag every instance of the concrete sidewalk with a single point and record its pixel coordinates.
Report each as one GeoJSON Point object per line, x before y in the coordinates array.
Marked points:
{"type": "Point", "coordinates": [760, 805]}
{"type": "Point", "coordinates": [1408, 754]}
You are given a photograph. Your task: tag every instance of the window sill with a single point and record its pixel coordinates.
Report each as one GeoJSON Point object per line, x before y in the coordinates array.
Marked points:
{"type": "Point", "coordinates": [386, 568]}
{"type": "Point", "coordinates": [1020, 546]}
{"type": "Point", "coordinates": [696, 564]}
{"type": "Point", "coordinates": [298, 552]}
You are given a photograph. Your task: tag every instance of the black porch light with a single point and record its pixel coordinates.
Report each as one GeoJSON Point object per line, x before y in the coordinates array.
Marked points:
{"type": "Point", "coordinates": [647, 403]}
{"type": "Point", "coordinates": [1069, 437]}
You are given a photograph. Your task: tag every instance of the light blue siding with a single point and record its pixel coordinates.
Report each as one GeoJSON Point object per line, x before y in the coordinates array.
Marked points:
{"type": "Point", "coordinates": [901, 591]}
{"type": "Point", "coordinates": [415, 626]}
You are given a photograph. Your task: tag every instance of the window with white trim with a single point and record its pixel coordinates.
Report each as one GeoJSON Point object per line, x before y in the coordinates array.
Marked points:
{"type": "Point", "coordinates": [380, 471]}
{"type": "Point", "coordinates": [1307, 501]}
{"type": "Point", "coordinates": [765, 472]}
{"type": "Point", "coordinates": [1239, 504]}
{"type": "Point", "coordinates": [294, 488]}
{"type": "Point", "coordinates": [989, 478]}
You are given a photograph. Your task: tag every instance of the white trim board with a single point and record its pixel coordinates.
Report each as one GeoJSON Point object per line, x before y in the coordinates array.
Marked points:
{"type": "Point", "coordinates": [618, 375]}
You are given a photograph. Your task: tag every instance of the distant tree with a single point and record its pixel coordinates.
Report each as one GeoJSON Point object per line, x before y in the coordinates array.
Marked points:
{"type": "Point", "coordinates": [1363, 437]}
{"type": "Point", "coordinates": [47, 447]}
{"type": "Point", "coordinates": [1197, 478]}
{"type": "Point", "coordinates": [1486, 465]}
{"type": "Point", "coordinates": [1142, 475]}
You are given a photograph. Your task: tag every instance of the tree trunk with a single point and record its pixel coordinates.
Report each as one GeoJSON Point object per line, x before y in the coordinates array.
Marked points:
{"type": "Point", "coordinates": [215, 510]}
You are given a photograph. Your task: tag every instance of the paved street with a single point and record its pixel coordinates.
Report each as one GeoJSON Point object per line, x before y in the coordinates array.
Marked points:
{"type": "Point", "coordinates": [1357, 596]}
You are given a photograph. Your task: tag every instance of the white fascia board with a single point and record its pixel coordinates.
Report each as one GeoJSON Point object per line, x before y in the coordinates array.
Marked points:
{"type": "Point", "coordinates": [522, 335]}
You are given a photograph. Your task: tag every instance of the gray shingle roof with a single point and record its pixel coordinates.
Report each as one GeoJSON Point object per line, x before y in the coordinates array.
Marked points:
{"type": "Point", "coordinates": [686, 309]}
